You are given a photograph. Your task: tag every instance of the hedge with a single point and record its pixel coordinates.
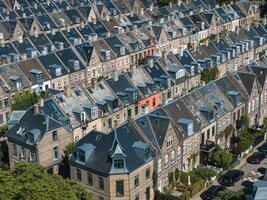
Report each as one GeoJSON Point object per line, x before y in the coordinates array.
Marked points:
{"type": "Point", "coordinates": [196, 188]}
{"type": "Point", "coordinates": [185, 195]}
{"type": "Point", "coordinates": [162, 196]}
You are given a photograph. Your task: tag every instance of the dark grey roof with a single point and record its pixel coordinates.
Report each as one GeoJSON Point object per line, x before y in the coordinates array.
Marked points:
{"type": "Point", "coordinates": [123, 140]}
{"type": "Point", "coordinates": [34, 123]}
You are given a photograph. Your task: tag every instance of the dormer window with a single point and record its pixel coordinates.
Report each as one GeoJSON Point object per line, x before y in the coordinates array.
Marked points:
{"type": "Point", "coordinates": [174, 34]}
{"type": "Point", "coordinates": [122, 50]}
{"type": "Point", "coordinates": [58, 71]}
{"type": "Point", "coordinates": [107, 54]}
{"type": "Point", "coordinates": [147, 153]}
{"type": "Point", "coordinates": [30, 138]}
{"type": "Point", "coordinates": [80, 155]}
{"type": "Point", "coordinates": [261, 41]}
{"type": "Point", "coordinates": [75, 64]}
{"type": "Point", "coordinates": [83, 116]}
{"type": "Point", "coordinates": [135, 96]}
{"type": "Point", "coordinates": [38, 75]}
{"type": "Point", "coordinates": [118, 163]}
{"type": "Point", "coordinates": [192, 71]}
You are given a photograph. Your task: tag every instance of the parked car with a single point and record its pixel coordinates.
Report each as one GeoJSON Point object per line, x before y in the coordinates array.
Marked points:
{"type": "Point", "coordinates": [263, 148]}
{"type": "Point", "coordinates": [212, 192]}
{"type": "Point", "coordinates": [256, 158]}
{"type": "Point", "coordinates": [231, 177]}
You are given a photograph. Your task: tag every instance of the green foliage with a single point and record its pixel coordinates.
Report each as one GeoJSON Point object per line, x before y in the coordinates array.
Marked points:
{"type": "Point", "coordinates": [165, 2]}
{"type": "Point", "coordinates": [185, 195]}
{"type": "Point", "coordinates": [247, 137]}
{"type": "Point", "coordinates": [67, 151]}
{"type": "Point", "coordinates": [230, 195]}
{"type": "Point", "coordinates": [209, 74]}
{"type": "Point", "coordinates": [204, 172]}
{"type": "Point", "coordinates": [4, 159]}
{"type": "Point", "coordinates": [30, 181]}
{"type": "Point", "coordinates": [196, 188]}
{"type": "Point", "coordinates": [221, 158]}
{"type": "Point", "coordinates": [171, 178]}
{"type": "Point", "coordinates": [24, 100]}
{"type": "Point", "coordinates": [161, 196]}
{"type": "Point", "coordinates": [3, 130]}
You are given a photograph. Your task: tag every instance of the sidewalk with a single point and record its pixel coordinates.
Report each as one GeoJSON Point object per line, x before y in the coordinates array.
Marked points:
{"type": "Point", "coordinates": [240, 165]}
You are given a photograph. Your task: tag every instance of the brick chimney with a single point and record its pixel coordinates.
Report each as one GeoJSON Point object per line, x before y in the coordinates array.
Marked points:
{"type": "Point", "coordinates": [67, 90]}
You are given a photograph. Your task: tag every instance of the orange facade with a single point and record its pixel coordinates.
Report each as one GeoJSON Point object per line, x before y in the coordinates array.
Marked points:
{"type": "Point", "coordinates": [152, 101]}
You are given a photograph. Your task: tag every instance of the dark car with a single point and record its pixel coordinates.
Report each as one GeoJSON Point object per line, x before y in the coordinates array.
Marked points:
{"type": "Point", "coordinates": [256, 158]}
{"type": "Point", "coordinates": [231, 177]}
{"type": "Point", "coordinates": [263, 148]}
{"type": "Point", "coordinates": [212, 192]}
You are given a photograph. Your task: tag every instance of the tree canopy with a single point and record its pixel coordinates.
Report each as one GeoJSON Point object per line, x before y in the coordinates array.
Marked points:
{"type": "Point", "coordinates": [204, 172]}
{"type": "Point", "coordinates": [230, 195]}
{"type": "Point", "coordinates": [24, 100]}
{"type": "Point", "coordinates": [221, 158]}
{"type": "Point", "coordinates": [209, 74]}
{"type": "Point", "coordinates": [30, 181]}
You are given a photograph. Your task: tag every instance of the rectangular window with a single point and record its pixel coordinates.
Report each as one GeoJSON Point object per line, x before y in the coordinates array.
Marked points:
{"type": "Point", "coordinates": [80, 155]}
{"type": "Point", "coordinates": [1, 119]}
{"type": "Point", "coordinates": [169, 142]}
{"type": "Point", "coordinates": [119, 188]}
{"type": "Point", "coordinates": [213, 130]}
{"type": "Point", "coordinates": [22, 153]}
{"type": "Point", "coordinates": [136, 110]}
{"type": "Point", "coordinates": [54, 133]}
{"type": "Point", "coordinates": [101, 183]}
{"type": "Point", "coordinates": [136, 181]}
{"type": "Point", "coordinates": [129, 113]}
{"type": "Point", "coordinates": [154, 102]}
{"type": "Point", "coordinates": [32, 156]}
{"type": "Point", "coordinates": [15, 153]}
{"type": "Point", "coordinates": [6, 102]}
{"type": "Point", "coordinates": [137, 197]}
{"type": "Point", "coordinates": [89, 179]}
{"type": "Point", "coordinates": [147, 193]}
{"type": "Point", "coordinates": [30, 138]}
{"type": "Point", "coordinates": [148, 173]}
{"type": "Point", "coordinates": [55, 153]}
{"type": "Point", "coordinates": [118, 163]}
{"type": "Point", "coordinates": [109, 123]}
{"type": "Point", "coordinates": [78, 174]}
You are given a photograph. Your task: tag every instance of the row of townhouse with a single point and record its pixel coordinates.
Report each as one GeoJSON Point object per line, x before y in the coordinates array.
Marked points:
{"type": "Point", "coordinates": [53, 44]}
{"type": "Point", "coordinates": [155, 81]}
{"type": "Point", "coordinates": [121, 162]}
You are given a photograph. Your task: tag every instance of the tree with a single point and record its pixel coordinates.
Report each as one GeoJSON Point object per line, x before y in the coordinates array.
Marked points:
{"type": "Point", "coordinates": [166, 2]}
{"type": "Point", "coordinates": [31, 181]}
{"type": "Point", "coordinates": [208, 74]}
{"type": "Point", "coordinates": [230, 195]}
{"type": "Point", "coordinates": [67, 151]}
{"type": "Point", "coordinates": [204, 172]}
{"type": "Point", "coordinates": [24, 100]}
{"type": "Point", "coordinates": [221, 158]}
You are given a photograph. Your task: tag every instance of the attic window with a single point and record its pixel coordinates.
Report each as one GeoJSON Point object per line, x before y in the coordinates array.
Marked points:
{"type": "Point", "coordinates": [118, 163]}
{"type": "Point", "coordinates": [147, 153]}
{"type": "Point", "coordinates": [30, 138]}
{"type": "Point", "coordinates": [80, 155]}
{"type": "Point", "coordinates": [21, 131]}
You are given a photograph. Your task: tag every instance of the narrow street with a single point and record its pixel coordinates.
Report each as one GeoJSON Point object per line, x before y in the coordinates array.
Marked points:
{"type": "Point", "coordinates": [252, 173]}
